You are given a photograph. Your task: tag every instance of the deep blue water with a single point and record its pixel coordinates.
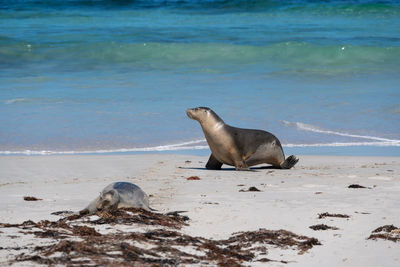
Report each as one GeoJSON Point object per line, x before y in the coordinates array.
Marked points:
{"type": "Point", "coordinates": [98, 76]}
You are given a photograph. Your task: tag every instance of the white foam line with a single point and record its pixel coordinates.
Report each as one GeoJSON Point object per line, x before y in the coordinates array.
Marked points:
{"type": "Point", "coordinates": [172, 147]}
{"type": "Point", "coordinates": [311, 128]}
{"type": "Point", "coordinates": [186, 146]}
{"type": "Point", "coordinates": [175, 148]}
{"type": "Point", "coordinates": [337, 144]}
{"type": "Point", "coordinates": [186, 143]}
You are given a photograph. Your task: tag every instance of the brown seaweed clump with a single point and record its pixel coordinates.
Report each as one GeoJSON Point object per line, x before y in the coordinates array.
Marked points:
{"type": "Point", "coordinates": [386, 232]}
{"type": "Point", "coordinates": [356, 186]}
{"type": "Point", "coordinates": [29, 198]}
{"type": "Point", "coordinates": [81, 240]}
{"type": "Point", "coordinates": [251, 189]}
{"type": "Point", "coordinates": [326, 214]}
{"type": "Point", "coordinates": [318, 227]}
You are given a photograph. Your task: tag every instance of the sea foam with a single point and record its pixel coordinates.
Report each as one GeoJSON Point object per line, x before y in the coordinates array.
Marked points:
{"type": "Point", "coordinates": [200, 144]}
{"type": "Point", "coordinates": [316, 129]}
{"type": "Point", "coordinates": [169, 147]}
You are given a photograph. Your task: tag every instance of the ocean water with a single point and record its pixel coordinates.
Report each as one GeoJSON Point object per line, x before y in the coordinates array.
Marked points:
{"type": "Point", "coordinates": [87, 76]}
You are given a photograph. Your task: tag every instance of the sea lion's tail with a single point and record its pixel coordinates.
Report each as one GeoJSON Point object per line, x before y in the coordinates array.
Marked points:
{"type": "Point", "coordinates": [289, 162]}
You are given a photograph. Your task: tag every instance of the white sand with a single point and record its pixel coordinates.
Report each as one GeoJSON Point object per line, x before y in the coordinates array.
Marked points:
{"type": "Point", "coordinates": [289, 198]}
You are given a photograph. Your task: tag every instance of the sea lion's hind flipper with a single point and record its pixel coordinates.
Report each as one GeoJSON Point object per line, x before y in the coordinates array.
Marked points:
{"type": "Point", "coordinates": [213, 163]}
{"type": "Point", "coordinates": [289, 162]}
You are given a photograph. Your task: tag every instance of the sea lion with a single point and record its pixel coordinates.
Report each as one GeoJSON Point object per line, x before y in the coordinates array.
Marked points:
{"type": "Point", "coordinates": [238, 147]}
{"type": "Point", "coordinates": [119, 195]}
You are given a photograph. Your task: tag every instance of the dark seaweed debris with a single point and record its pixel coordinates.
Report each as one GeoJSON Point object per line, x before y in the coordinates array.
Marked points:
{"type": "Point", "coordinates": [357, 186]}
{"type": "Point", "coordinates": [139, 216]}
{"type": "Point", "coordinates": [326, 214]}
{"type": "Point", "coordinates": [251, 189]}
{"type": "Point", "coordinates": [387, 232]}
{"type": "Point", "coordinates": [28, 198]}
{"type": "Point", "coordinates": [318, 227]}
{"type": "Point", "coordinates": [62, 212]}
{"type": "Point", "coordinates": [76, 242]}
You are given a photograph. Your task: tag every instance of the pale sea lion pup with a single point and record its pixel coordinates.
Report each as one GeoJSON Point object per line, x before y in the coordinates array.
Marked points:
{"type": "Point", "coordinates": [238, 147]}
{"type": "Point", "coordinates": [119, 195]}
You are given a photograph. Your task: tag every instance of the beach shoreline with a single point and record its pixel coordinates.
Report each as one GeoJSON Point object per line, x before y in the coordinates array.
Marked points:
{"type": "Point", "coordinates": [95, 92]}
{"type": "Point", "coordinates": [218, 204]}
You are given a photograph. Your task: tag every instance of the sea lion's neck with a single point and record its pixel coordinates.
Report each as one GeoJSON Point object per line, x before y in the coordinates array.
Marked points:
{"type": "Point", "coordinates": [212, 123]}
{"type": "Point", "coordinates": [115, 201]}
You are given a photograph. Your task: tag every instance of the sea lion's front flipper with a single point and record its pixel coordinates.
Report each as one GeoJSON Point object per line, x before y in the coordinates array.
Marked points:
{"type": "Point", "coordinates": [213, 163]}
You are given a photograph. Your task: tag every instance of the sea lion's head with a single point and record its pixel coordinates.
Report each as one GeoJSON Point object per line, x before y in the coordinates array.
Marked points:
{"type": "Point", "coordinates": [108, 200]}
{"type": "Point", "coordinates": [199, 114]}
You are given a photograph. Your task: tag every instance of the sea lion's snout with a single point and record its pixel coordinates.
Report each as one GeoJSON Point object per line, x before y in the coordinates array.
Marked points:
{"type": "Point", "coordinates": [189, 113]}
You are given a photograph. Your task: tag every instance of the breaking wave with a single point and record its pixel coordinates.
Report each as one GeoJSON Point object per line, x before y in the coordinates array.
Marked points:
{"type": "Point", "coordinates": [379, 141]}
{"type": "Point", "coordinates": [201, 144]}
{"type": "Point", "coordinates": [190, 145]}
{"type": "Point", "coordinates": [346, 144]}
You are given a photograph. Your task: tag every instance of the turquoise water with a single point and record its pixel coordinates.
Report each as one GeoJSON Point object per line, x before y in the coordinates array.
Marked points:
{"type": "Point", "coordinates": [117, 76]}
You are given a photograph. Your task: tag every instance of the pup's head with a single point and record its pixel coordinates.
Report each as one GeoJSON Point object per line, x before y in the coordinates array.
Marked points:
{"type": "Point", "coordinates": [108, 200]}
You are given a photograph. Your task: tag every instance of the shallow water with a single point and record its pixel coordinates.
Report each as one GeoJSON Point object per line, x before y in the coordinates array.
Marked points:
{"type": "Point", "coordinates": [117, 76]}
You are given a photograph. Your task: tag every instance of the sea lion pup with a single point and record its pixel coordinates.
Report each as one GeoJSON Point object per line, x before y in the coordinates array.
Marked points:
{"type": "Point", "coordinates": [238, 147]}
{"type": "Point", "coordinates": [119, 195]}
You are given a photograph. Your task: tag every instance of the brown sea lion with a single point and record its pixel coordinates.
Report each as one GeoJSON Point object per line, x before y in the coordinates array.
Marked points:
{"type": "Point", "coordinates": [238, 147]}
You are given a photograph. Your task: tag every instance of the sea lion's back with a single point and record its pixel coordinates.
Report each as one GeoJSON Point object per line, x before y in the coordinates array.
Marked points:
{"type": "Point", "coordinates": [131, 195]}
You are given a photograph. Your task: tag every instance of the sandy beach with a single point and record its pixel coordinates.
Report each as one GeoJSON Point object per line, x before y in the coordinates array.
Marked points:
{"type": "Point", "coordinates": [98, 92]}
{"type": "Point", "coordinates": [220, 203]}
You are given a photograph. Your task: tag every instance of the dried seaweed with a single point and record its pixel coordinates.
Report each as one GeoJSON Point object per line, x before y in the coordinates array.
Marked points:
{"type": "Point", "coordinates": [251, 189]}
{"type": "Point", "coordinates": [62, 212]}
{"type": "Point", "coordinates": [28, 198]}
{"type": "Point", "coordinates": [193, 178]}
{"type": "Point", "coordinates": [279, 238]}
{"type": "Point", "coordinates": [318, 227]}
{"type": "Point", "coordinates": [77, 241]}
{"type": "Point", "coordinates": [357, 186]}
{"type": "Point", "coordinates": [386, 232]}
{"type": "Point", "coordinates": [135, 215]}
{"type": "Point", "coordinates": [326, 214]}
